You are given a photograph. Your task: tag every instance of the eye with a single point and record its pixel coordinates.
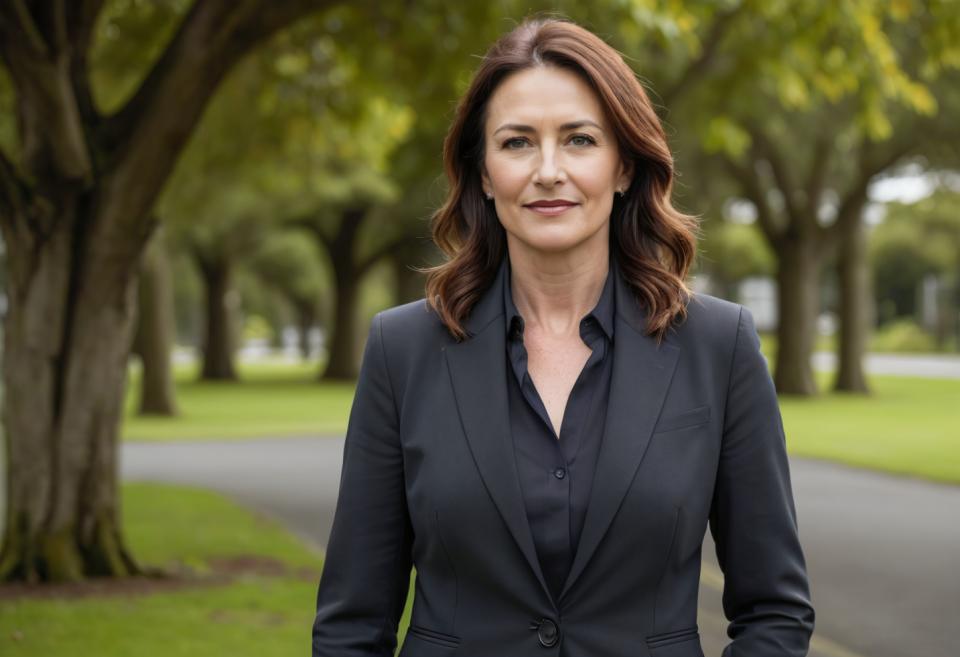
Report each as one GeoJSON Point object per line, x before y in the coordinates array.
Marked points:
{"type": "Point", "coordinates": [518, 140]}
{"type": "Point", "coordinates": [587, 139]}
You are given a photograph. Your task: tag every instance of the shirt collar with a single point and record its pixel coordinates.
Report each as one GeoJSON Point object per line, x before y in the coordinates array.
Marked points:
{"type": "Point", "coordinates": [602, 313]}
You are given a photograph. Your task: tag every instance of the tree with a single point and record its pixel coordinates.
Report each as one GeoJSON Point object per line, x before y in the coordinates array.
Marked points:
{"type": "Point", "coordinates": [289, 265]}
{"type": "Point", "coordinates": [153, 339]}
{"type": "Point", "coordinates": [799, 103]}
{"type": "Point", "coordinates": [733, 252]}
{"type": "Point", "coordinates": [75, 215]}
{"type": "Point", "coordinates": [914, 241]}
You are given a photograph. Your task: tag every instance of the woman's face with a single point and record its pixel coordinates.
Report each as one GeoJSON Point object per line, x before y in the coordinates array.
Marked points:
{"type": "Point", "coordinates": [547, 139]}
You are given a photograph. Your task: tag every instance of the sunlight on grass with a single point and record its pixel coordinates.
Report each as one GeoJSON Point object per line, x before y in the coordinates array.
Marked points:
{"type": "Point", "coordinates": [906, 426]}
{"type": "Point", "coordinates": [271, 399]}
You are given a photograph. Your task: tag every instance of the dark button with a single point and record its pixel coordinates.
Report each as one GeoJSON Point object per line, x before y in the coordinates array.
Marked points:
{"type": "Point", "coordinates": [559, 473]}
{"type": "Point", "coordinates": [548, 633]}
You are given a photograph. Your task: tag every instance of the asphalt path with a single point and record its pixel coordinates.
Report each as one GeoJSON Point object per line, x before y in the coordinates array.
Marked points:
{"type": "Point", "coordinates": [933, 366]}
{"type": "Point", "coordinates": [883, 552]}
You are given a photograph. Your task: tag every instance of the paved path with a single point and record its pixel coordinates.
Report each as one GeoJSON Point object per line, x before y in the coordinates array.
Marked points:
{"type": "Point", "coordinates": [882, 551]}
{"type": "Point", "coordinates": [936, 366]}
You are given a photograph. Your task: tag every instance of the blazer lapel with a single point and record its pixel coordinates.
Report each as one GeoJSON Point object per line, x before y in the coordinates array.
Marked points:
{"type": "Point", "coordinates": [641, 375]}
{"type": "Point", "coordinates": [478, 373]}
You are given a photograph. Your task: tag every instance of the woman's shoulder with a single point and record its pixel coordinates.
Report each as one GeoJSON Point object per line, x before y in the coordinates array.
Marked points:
{"type": "Point", "coordinates": [413, 316]}
{"type": "Point", "coordinates": [711, 322]}
{"type": "Point", "coordinates": [411, 324]}
{"type": "Point", "coordinates": [706, 308]}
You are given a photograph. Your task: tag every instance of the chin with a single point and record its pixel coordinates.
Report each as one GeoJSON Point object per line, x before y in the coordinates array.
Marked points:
{"type": "Point", "coordinates": [559, 237]}
{"type": "Point", "coordinates": [554, 244]}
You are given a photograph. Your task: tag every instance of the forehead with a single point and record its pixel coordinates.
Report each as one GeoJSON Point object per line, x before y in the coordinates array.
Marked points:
{"type": "Point", "coordinates": [543, 95]}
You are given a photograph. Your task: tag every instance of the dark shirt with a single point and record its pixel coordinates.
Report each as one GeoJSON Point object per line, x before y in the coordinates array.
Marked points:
{"type": "Point", "coordinates": [556, 474]}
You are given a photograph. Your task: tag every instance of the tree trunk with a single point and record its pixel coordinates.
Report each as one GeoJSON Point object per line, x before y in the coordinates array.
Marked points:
{"type": "Point", "coordinates": [306, 319]}
{"type": "Point", "coordinates": [218, 337]}
{"type": "Point", "coordinates": [342, 343]}
{"type": "Point", "coordinates": [67, 339]}
{"type": "Point", "coordinates": [154, 335]}
{"type": "Point", "coordinates": [74, 212]}
{"type": "Point", "coordinates": [855, 309]}
{"type": "Point", "coordinates": [798, 279]}
{"type": "Point", "coordinates": [409, 282]}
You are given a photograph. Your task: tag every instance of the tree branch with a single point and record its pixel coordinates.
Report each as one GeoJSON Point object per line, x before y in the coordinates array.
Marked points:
{"type": "Point", "coordinates": [81, 18]}
{"type": "Point", "coordinates": [17, 26]}
{"type": "Point", "coordinates": [144, 138]}
{"type": "Point", "coordinates": [871, 161]}
{"type": "Point", "coordinates": [754, 191]}
{"type": "Point", "coordinates": [817, 175]}
{"type": "Point", "coordinates": [351, 219]}
{"type": "Point", "coordinates": [384, 250]}
{"type": "Point", "coordinates": [308, 222]}
{"type": "Point", "coordinates": [766, 150]}
{"type": "Point", "coordinates": [11, 190]}
{"type": "Point", "coordinates": [699, 67]}
{"type": "Point", "coordinates": [54, 143]}
{"type": "Point", "coordinates": [15, 201]}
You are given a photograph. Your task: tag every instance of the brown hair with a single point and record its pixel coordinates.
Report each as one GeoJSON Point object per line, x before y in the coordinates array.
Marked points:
{"type": "Point", "coordinates": [653, 242]}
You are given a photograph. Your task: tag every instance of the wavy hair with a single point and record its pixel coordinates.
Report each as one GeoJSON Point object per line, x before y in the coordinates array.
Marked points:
{"type": "Point", "coordinates": [654, 243]}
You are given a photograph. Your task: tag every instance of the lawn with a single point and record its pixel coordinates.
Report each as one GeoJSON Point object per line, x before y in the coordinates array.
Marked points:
{"type": "Point", "coordinates": [908, 425]}
{"type": "Point", "coordinates": [272, 399]}
{"type": "Point", "coordinates": [252, 593]}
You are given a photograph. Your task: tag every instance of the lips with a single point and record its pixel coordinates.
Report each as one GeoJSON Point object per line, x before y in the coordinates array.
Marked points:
{"type": "Point", "coordinates": [550, 208]}
{"type": "Point", "coordinates": [550, 204]}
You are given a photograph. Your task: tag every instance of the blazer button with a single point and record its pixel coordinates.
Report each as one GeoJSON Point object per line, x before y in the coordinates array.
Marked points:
{"type": "Point", "coordinates": [548, 633]}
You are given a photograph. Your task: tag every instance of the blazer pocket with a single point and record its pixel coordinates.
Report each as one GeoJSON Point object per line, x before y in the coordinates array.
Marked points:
{"type": "Point", "coordinates": [679, 643]}
{"type": "Point", "coordinates": [432, 636]}
{"type": "Point", "coordinates": [684, 419]}
{"type": "Point", "coordinates": [416, 645]}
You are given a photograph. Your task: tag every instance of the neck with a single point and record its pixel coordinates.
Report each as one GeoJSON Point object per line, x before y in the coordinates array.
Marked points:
{"type": "Point", "coordinates": [553, 291]}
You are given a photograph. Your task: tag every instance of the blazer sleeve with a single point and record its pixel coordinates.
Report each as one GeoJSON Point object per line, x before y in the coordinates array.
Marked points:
{"type": "Point", "coordinates": [753, 520]}
{"type": "Point", "coordinates": [366, 573]}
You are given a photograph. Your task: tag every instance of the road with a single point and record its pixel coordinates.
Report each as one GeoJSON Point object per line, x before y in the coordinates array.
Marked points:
{"type": "Point", "coordinates": [934, 366]}
{"type": "Point", "coordinates": [882, 551]}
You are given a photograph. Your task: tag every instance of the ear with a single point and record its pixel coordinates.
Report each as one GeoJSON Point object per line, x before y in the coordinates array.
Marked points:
{"type": "Point", "coordinates": [485, 181]}
{"type": "Point", "coordinates": [626, 175]}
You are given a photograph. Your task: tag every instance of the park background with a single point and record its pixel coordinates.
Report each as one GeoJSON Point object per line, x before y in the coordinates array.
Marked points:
{"type": "Point", "coordinates": [202, 204]}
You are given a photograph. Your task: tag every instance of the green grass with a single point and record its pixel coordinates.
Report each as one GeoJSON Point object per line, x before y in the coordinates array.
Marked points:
{"type": "Point", "coordinates": [270, 400]}
{"type": "Point", "coordinates": [255, 615]}
{"type": "Point", "coordinates": [906, 426]}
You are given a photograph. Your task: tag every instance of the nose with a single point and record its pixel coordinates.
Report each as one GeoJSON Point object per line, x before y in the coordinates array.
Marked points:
{"type": "Point", "coordinates": [549, 170]}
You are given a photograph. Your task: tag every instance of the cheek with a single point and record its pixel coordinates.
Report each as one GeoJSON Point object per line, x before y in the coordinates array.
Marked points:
{"type": "Point", "coordinates": [597, 180]}
{"type": "Point", "coordinates": [507, 177]}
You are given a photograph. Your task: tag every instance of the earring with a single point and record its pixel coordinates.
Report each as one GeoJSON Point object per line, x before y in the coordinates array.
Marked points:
{"type": "Point", "coordinates": [489, 197]}
{"type": "Point", "coordinates": [620, 192]}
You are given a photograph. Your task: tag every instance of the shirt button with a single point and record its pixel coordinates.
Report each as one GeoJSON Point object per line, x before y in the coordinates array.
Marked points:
{"type": "Point", "coordinates": [559, 473]}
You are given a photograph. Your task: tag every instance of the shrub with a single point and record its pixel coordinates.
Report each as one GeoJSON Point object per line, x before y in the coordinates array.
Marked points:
{"type": "Point", "coordinates": [902, 334]}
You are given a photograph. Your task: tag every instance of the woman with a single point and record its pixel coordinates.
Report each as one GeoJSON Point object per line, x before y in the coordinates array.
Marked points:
{"type": "Point", "coordinates": [548, 435]}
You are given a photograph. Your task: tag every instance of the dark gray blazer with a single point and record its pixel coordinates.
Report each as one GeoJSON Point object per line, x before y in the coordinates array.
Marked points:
{"type": "Point", "coordinates": [693, 435]}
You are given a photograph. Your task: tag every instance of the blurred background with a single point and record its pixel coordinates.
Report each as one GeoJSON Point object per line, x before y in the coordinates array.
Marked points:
{"type": "Point", "coordinates": [203, 202]}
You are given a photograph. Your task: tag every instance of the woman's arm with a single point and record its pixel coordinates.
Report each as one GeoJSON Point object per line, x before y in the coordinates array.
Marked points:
{"type": "Point", "coordinates": [753, 519]}
{"type": "Point", "coordinates": [366, 574]}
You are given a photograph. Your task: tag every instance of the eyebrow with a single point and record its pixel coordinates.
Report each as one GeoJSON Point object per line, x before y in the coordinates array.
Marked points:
{"type": "Point", "coordinates": [571, 125]}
